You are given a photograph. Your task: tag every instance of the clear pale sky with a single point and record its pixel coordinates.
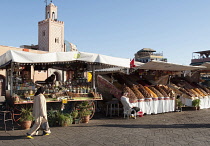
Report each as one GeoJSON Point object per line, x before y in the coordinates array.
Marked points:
{"type": "Point", "coordinates": [116, 28]}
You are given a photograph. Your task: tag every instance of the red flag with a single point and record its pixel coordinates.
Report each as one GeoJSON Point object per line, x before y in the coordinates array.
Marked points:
{"type": "Point", "coordinates": [132, 63]}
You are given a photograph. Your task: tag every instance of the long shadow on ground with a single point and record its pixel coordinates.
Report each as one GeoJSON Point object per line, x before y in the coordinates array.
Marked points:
{"type": "Point", "coordinates": [151, 126]}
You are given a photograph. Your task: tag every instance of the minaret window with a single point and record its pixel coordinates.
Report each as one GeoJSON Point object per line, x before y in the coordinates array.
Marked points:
{"type": "Point", "coordinates": [48, 15]}
{"type": "Point", "coordinates": [53, 15]}
{"type": "Point", "coordinates": [56, 40]}
{"type": "Point", "coordinates": [43, 33]}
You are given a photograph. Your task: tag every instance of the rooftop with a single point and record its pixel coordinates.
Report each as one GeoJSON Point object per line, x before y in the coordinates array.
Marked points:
{"type": "Point", "coordinates": [202, 52]}
{"type": "Point", "coordinates": [146, 50]}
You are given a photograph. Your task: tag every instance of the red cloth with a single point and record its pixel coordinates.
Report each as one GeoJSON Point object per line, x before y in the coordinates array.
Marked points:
{"type": "Point", "coordinates": [132, 63]}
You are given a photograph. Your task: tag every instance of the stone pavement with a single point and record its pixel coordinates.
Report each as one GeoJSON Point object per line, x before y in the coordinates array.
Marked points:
{"type": "Point", "coordinates": [187, 128]}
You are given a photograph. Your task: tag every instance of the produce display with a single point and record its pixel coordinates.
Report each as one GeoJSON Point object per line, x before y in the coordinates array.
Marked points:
{"type": "Point", "coordinates": [190, 90]}
{"type": "Point", "coordinates": [137, 92]}
{"type": "Point", "coordinates": [199, 92]}
{"type": "Point", "coordinates": [159, 96]}
{"type": "Point", "coordinates": [158, 87]}
{"type": "Point", "coordinates": [141, 88]}
{"type": "Point", "coordinates": [153, 95]}
{"type": "Point", "coordinates": [206, 90]}
{"type": "Point", "coordinates": [131, 94]}
{"type": "Point", "coordinates": [144, 91]}
{"type": "Point", "coordinates": [169, 91]}
{"type": "Point", "coordinates": [156, 91]}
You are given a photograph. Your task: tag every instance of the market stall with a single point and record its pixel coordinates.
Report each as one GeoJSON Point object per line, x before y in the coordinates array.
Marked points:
{"type": "Point", "coordinates": [20, 66]}
{"type": "Point", "coordinates": [149, 85]}
{"type": "Point", "coordinates": [196, 89]}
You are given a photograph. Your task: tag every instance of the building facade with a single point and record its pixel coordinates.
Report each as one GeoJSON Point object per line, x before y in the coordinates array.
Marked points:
{"type": "Point", "coordinates": [147, 54]}
{"type": "Point", "coordinates": [200, 57]}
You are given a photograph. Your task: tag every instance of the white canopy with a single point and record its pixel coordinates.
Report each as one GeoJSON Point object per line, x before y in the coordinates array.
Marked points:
{"type": "Point", "coordinates": [56, 57]}
{"type": "Point", "coordinates": [207, 65]}
{"type": "Point", "coordinates": [159, 65]}
{"type": "Point", "coordinates": [112, 70]}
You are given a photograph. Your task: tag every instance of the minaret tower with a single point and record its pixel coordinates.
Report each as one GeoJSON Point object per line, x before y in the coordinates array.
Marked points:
{"type": "Point", "coordinates": [51, 31]}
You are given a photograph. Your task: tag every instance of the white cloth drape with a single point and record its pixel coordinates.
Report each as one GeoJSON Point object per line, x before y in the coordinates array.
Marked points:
{"type": "Point", "coordinates": [205, 101]}
{"type": "Point", "coordinates": [156, 105]}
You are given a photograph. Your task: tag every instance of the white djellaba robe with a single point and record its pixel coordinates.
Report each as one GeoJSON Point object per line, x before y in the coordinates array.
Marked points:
{"type": "Point", "coordinates": [40, 115]}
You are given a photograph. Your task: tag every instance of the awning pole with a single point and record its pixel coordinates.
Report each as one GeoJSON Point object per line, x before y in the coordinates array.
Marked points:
{"type": "Point", "coordinates": [63, 75]}
{"type": "Point", "coordinates": [93, 71]}
{"type": "Point", "coordinates": [32, 72]}
{"type": "Point", "coordinates": [6, 79]}
{"type": "Point", "coordinates": [11, 78]}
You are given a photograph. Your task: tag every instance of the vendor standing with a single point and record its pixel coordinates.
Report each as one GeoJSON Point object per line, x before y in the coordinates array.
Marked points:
{"type": "Point", "coordinates": [50, 79]}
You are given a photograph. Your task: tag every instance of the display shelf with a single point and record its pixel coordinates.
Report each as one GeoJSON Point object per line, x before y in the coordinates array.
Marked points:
{"type": "Point", "coordinates": [22, 101]}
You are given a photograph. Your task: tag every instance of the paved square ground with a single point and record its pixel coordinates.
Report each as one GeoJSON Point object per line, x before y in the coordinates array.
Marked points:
{"type": "Point", "coordinates": [187, 128]}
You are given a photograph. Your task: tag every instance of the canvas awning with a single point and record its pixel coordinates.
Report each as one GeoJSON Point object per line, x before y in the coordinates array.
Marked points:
{"type": "Point", "coordinates": [112, 70]}
{"type": "Point", "coordinates": [61, 57]}
{"type": "Point", "coordinates": [159, 65]}
{"type": "Point", "coordinates": [207, 65]}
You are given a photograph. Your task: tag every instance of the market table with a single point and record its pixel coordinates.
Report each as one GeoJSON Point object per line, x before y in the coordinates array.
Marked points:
{"type": "Point", "coordinates": [29, 103]}
{"type": "Point", "coordinates": [205, 101]}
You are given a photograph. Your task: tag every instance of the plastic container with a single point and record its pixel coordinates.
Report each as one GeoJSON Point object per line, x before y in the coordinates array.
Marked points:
{"type": "Point", "coordinates": [140, 113]}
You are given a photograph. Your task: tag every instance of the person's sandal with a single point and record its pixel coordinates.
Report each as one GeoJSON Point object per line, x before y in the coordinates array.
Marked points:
{"type": "Point", "coordinates": [29, 136]}
{"type": "Point", "coordinates": [45, 133]}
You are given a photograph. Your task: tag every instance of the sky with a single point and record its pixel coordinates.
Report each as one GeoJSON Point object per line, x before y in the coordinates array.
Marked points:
{"type": "Point", "coordinates": [118, 28]}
